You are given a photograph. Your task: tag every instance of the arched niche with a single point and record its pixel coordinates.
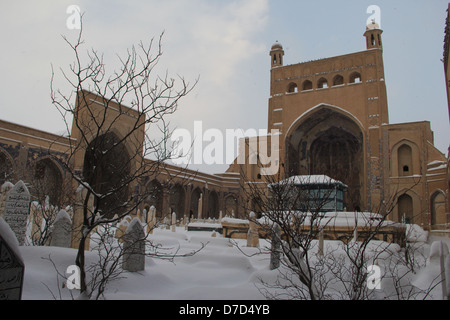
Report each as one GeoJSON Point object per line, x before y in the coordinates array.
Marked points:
{"type": "Point", "coordinates": [328, 141]}
{"type": "Point", "coordinates": [106, 168]}
{"type": "Point", "coordinates": [154, 196]}
{"type": "Point", "coordinates": [177, 199]}
{"type": "Point", "coordinates": [46, 179]}
{"type": "Point", "coordinates": [213, 205]}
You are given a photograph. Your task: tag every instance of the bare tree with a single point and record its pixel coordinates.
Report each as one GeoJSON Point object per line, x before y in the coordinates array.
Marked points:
{"type": "Point", "coordinates": [111, 253]}
{"type": "Point", "coordinates": [110, 145]}
{"type": "Point", "coordinates": [360, 240]}
{"type": "Point", "coordinates": [298, 211]}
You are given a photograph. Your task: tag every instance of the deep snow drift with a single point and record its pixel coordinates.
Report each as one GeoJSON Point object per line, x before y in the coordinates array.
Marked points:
{"type": "Point", "coordinates": [220, 271]}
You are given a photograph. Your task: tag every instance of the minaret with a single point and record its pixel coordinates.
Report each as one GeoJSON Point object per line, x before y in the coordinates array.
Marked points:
{"type": "Point", "coordinates": [373, 36]}
{"type": "Point", "coordinates": [276, 55]}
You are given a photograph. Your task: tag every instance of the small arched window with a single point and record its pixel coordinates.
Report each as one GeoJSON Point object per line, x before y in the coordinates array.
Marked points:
{"type": "Point", "coordinates": [307, 85]}
{"type": "Point", "coordinates": [292, 88]}
{"type": "Point", "coordinates": [405, 160]}
{"type": "Point", "coordinates": [322, 83]}
{"type": "Point", "coordinates": [355, 77]}
{"type": "Point", "coordinates": [338, 80]}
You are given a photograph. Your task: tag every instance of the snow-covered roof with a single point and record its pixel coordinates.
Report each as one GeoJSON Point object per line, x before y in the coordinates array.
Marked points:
{"type": "Point", "coordinates": [309, 179]}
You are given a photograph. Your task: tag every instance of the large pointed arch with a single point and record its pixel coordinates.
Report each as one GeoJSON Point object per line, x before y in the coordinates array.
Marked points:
{"type": "Point", "coordinates": [154, 197]}
{"type": "Point", "coordinates": [106, 168]}
{"type": "Point", "coordinates": [213, 205]}
{"type": "Point", "coordinates": [437, 208]}
{"type": "Point", "coordinates": [47, 181]}
{"type": "Point", "coordinates": [177, 199]}
{"type": "Point", "coordinates": [193, 208]}
{"type": "Point", "coordinates": [328, 140]}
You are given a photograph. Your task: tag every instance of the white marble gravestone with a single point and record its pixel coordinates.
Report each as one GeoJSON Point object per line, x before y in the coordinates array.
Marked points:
{"type": "Point", "coordinates": [17, 207]}
{"type": "Point", "coordinates": [62, 230]}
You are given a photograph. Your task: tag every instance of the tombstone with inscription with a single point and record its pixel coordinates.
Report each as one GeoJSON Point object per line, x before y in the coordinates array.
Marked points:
{"type": "Point", "coordinates": [17, 207]}
{"type": "Point", "coordinates": [62, 230]}
{"type": "Point", "coordinates": [4, 190]}
{"type": "Point", "coordinates": [134, 247]}
{"type": "Point", "coordinates": [11, 264]}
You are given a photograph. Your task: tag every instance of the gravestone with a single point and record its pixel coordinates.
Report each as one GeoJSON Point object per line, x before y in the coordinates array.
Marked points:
{"type": "Point", "coordinates": [275, 247]}
{"type": "Point", "coordinates": [253, 234]}
{"type": "Point", "coordinates": [174, 222]}
{"type": "Point", "coordinates": [122, 228]}
{"type": "Point", "coordinates": [11, 264]}
{"type": "Point", "coordinates": [17, 208]}
{"type": "Point", "coordinates": [320, 251]}
{"type": "Point", "coordinates": [62, 230]}
{"type": "Point", "coordinates": [134, 247]}
{"type": "Point", "coordinates": [4, 190]}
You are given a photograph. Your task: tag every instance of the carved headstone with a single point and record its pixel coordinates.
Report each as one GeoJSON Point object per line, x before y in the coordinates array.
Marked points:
{"type": "Point", "coordinates": [11, 264]}
{"type": "Point", "coordinates": [134, 247]}
{"type": "Point", "coordinates": [4, 189]}
{"type": "Point", "coordinates": [17, 207]}
{"type": "Point", "coordinates": [62, 230]}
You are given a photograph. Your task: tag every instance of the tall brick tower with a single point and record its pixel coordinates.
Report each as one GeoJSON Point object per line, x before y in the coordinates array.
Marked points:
{"type": "Point", "coordinates": [330, 113]}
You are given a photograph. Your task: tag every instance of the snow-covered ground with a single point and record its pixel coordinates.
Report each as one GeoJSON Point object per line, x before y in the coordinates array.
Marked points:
{"type": "Point", "coordinates": [220, 271]}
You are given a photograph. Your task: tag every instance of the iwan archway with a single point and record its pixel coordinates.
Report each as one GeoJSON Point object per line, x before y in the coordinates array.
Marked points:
{"type": "Point", "coordinates": [328, 140]}
{"type": "Point", "coordinates": [107, 166]}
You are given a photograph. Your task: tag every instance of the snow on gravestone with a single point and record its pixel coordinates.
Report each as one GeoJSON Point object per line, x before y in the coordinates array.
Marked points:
{"type": "Point", "coordinates": [16, 210]}
{"type": "Point", "coordinates": [62, 230]}
{"type": "Point", "coordinates": [134, 247]}
{"type": "Point", "coordinates": [11, 264]}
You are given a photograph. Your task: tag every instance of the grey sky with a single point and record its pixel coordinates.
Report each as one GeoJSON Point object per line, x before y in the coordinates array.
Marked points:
{"type": "Point", "coordinates": [227, 44]}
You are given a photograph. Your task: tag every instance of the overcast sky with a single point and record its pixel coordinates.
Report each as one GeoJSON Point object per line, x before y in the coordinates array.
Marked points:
{"type": "Point", "coordinates": [227, 44]}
